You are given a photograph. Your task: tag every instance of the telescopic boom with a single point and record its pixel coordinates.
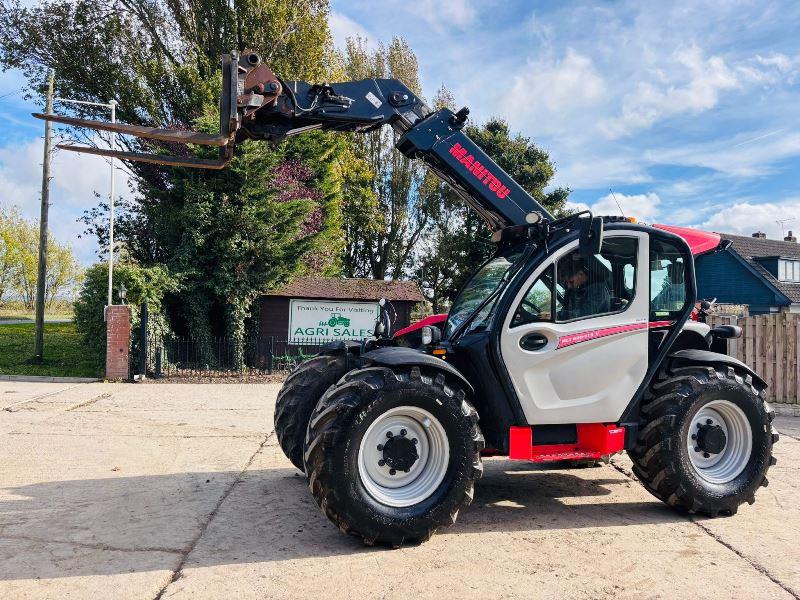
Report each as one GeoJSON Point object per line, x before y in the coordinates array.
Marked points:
{"type": "Point", "coordinates": [257, 104]}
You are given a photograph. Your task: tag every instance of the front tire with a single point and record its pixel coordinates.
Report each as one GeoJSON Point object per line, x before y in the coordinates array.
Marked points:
{"type": "Point", "coordinates": [299, 395]}
{"type": "Point", "coordinates": [705, 440]}
{"type": "Point", "coordinates": [366, 472]}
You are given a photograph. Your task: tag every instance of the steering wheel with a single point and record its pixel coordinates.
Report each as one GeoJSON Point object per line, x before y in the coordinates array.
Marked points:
{"type": "Point", "coordinates": [524, 315]}
{"type": "Point", "coordinates": [531, 304]}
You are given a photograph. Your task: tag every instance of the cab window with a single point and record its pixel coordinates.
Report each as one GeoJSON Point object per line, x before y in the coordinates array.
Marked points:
{"type": "Point", "coordinates": [579, 287]}
{"type": "Point", "coordinates": [537, 305]}
{"type": "Point", "coordinates": [668, 296]}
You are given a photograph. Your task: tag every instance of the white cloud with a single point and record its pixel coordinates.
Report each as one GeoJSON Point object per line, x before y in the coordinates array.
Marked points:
{"type": "Point", "coordinates": [748, 154]}
{"type": "Point", "coordinates": [442, 15]}
{"type": "Point", "coordinates": [551, 95]}
{"type": "Point", "coordinates": [645, 207]}
{"type": "Point", "coordinates": [75, 178]}
{"type": "Point", "coordinates": [585, 169]}
{"type": "Point", "coordinates": [691, 84]}
{"type": "Point", "coordinates": [343, 27]}
{"type": "Point", "coordinates": [745, 218]}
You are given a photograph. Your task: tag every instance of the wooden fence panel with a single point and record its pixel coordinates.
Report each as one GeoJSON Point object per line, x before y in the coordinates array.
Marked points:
{"type": "Point", "coordinates": [770, 345]}
{"type": "Point", "coordinates": [781, 359]}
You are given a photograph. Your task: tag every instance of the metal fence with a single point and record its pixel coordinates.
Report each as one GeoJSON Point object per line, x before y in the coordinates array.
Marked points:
{"type": "Point", "coordinates": [770, 345]}
{"type": "Point", "coordinates": [222, 357]}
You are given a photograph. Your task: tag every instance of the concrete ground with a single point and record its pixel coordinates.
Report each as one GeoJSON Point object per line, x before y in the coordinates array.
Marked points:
{"type": "Point", "coordinates": [178, 491]}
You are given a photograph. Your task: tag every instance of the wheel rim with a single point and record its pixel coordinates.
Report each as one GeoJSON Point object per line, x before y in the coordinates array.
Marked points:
{"type": "Point", "coordinates": [719, 441]}
{"type": "Point", "coordinates": [396, 486]}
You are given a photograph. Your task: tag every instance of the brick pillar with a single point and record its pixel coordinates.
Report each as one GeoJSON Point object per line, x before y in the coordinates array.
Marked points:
{"type": "Point", "coordinates": [118, 341]}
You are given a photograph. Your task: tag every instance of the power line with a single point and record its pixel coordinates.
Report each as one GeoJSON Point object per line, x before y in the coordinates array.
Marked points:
{"type": "Point", "coordinates": [10, 94]}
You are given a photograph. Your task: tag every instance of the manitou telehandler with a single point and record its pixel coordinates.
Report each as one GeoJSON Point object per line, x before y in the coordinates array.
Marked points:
{"type": "Point", "coordinates": [570, 344]}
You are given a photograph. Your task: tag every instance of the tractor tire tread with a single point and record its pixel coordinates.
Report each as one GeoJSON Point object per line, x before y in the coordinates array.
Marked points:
{"type": "Point", "coordinates": [325, 425]}
{"type": "Point", "coordinates": [654, 454]}
{"type": "Point", "coordinates": [298, 397]}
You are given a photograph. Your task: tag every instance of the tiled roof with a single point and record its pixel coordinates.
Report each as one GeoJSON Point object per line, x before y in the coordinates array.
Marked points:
{"type": "Point", "coordinates": [334, 288]}
{"type": "Point", "coordinates": [750, 248]}
{"type": "Point", "coordinates": [762, 247]}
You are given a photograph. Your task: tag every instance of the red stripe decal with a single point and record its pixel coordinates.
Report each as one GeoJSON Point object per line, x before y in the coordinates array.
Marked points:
{"type": "Point", "coordinates": [594, 334]}
{"type": "Point", "coordinates": [654, 324]}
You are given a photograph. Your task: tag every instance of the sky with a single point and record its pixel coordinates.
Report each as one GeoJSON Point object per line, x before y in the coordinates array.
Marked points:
{"type": "Point", "coordinates": [688, 111]}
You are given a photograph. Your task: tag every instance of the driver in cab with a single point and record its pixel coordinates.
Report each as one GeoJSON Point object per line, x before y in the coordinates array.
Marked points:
{"type": "Point", "coordinates": [584, 295]}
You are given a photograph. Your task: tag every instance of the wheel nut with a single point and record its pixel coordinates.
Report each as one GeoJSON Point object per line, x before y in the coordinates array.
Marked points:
{"type": "Point", "coordinates": [381, 462]}
{"type": "Point", "coordinates": [392, 471]}
{"type": "Point", "coordinates": [697, 448]}
{"type": "Point", "coordinates": [380, 447]}
{"type": "Point", "coordinates": [694, 437]}
{"type": "Point", "coordinates": [706, 455]}
{"type": "Point", "coordinates": [415, 440]}
{"type": "Point", "coordinates": [403, 432]}
{"type": "Point", "coordinates": [709, 421]}
{"type": "Point", "coordinates": [389, 434]}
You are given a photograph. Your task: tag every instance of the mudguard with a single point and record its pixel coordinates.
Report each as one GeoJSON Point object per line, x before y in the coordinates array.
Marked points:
{"type": "Point", "coordinates": [394, 356]}
{"type": "Point", "coordinates": [340, 346]}
{"type": "Point", "coordinates": [706, 357]}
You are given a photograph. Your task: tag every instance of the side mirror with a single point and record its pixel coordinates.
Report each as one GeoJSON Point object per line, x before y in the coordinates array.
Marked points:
{"type": "Point", "coordinates": [591, 238]}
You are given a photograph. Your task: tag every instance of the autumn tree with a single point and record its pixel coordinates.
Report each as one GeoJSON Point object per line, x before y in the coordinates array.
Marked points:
{"type": "Point", "coordinates": [19, 261]}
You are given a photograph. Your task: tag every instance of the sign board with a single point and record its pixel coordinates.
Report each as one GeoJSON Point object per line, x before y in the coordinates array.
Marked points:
{"type": "Point", "coordinates": [331, 320]}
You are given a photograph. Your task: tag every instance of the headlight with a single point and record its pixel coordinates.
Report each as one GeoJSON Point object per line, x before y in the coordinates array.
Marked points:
{"type": "Point", "coordinates": [427, 335]}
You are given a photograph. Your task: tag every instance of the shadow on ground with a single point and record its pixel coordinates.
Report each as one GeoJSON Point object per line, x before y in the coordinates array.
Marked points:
{"type": "Point", "coordinates": [269, 515]}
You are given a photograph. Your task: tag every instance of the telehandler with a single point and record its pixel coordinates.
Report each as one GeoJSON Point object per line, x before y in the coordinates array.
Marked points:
{"type": "Point", "coordinates": [572, 343]}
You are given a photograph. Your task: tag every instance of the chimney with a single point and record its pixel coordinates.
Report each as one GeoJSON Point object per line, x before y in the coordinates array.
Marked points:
{"type": "Point", "coordinates": [790, 237]}
{"type": "Point", "coordinates": [760, 235]}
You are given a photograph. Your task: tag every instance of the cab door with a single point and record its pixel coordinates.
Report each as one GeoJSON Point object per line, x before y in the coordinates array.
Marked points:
{"type": "Point", "coordinates": [575, 342]}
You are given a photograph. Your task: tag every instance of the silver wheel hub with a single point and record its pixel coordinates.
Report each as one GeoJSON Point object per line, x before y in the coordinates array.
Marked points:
{"type": "Point", "coordinates": [403, 456]}
{"type": "Point", "coordinates": [719, 441]}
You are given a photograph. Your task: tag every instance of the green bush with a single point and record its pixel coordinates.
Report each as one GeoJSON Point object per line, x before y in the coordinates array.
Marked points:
{"type": "Point", "coordinates": [143, 284]}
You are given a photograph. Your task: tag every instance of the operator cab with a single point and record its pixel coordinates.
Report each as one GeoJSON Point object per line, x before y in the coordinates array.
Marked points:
{"type": "Point", "coordinates": [570, 337]}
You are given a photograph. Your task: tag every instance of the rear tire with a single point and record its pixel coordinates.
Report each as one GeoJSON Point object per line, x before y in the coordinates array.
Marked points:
{"type": "Point", "coordinates": [373, 501]}
{"type": "Point", "coordinates": [681, 463]}
{"type": "Point", "coordinates": [299, 395]}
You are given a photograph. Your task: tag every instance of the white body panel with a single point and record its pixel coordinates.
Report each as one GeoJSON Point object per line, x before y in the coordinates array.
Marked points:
{"type": "Point", "coordinates": [590, 381]}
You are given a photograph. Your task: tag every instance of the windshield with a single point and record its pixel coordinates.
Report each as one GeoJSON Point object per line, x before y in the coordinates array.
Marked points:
{"type": "Point", "coordinates": [483, 283]}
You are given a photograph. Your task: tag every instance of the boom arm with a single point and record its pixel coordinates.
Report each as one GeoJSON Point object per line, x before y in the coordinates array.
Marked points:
{"type": "Point", "coordinates": [256, 104]}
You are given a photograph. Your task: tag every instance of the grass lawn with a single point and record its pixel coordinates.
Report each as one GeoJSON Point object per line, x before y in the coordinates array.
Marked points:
{"type": "Point", "coordinates": [22, 314]}
{"type": "Point", "coordinates": [64, 355]}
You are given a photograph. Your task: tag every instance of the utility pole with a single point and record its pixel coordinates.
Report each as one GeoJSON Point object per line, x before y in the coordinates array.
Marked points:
{"type": "Point", "coordinates": [38, 351]}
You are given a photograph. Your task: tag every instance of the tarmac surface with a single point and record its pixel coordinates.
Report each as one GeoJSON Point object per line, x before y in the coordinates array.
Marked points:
{"type": "Point", "coordinates": [181, 491]}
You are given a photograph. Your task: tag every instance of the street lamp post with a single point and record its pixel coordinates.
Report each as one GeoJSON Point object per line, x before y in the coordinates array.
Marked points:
{"type": "Point", "coordinates": [112, 106]}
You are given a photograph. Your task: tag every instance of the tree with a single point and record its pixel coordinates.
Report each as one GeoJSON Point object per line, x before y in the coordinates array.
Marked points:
{"type": "Point", "coordinates": [228, 234]}
{"type": "Point", "coordinates": [143, 284]}
{"type": "Point", "coordinates": [10, 225]}
{"type": "Point", "coordinates": [64, 273]}
{"type": "Point", "coordinates": [383, 214]}
{"type": "Point", "coordinates": [25, 277]}
{"type": "Point", "coordinates": [19, 261]}
{"type": "Point", "coordinates": [243, 234]}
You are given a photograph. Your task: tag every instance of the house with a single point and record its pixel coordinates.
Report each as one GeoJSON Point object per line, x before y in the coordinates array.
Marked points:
{"type": "Point", "coordinates": [313, 309]}
{"type": "Point", "coordinates": [757, 271]}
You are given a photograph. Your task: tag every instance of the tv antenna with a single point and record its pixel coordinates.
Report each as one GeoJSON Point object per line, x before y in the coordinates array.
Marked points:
{"type": "Point", "coordinates": [782, 222]}
{"type": "Point", "coordinates": [613, 195]}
